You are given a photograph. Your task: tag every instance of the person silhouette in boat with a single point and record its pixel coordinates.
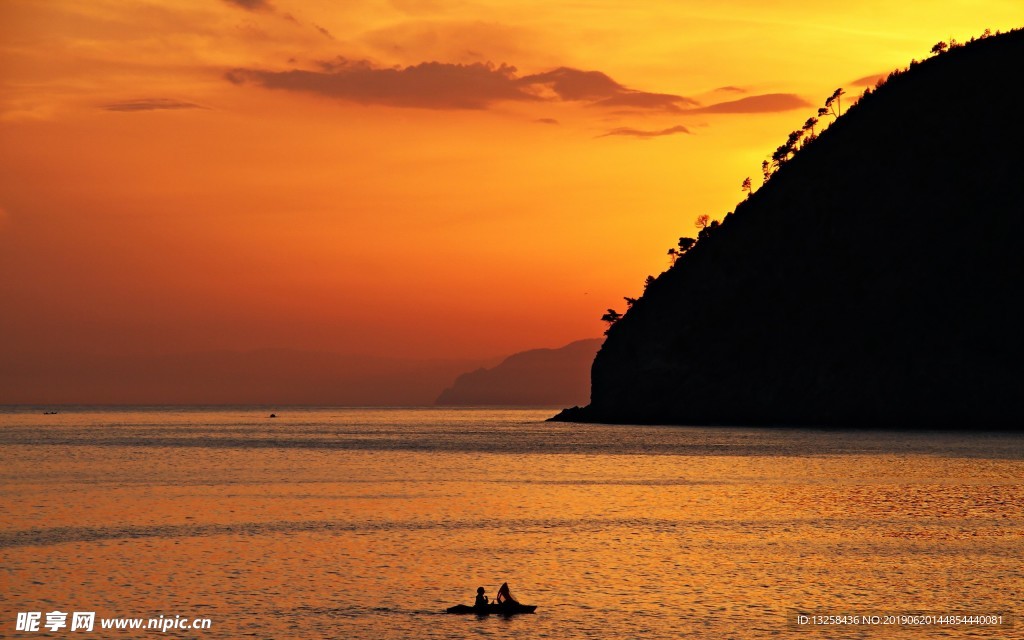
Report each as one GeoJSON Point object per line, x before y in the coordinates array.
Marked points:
{"type": "Point", "coordinates": [504, 598]}
{"type": "Point", "coordinates": [481, 600]}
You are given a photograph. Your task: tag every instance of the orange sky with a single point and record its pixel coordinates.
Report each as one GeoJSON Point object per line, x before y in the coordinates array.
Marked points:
{"type": "Point", "coordinates": [197, 174]}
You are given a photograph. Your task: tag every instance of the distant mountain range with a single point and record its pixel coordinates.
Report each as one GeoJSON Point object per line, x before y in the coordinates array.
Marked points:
{"type": "Point", "coordinates": [873, 281]}
{"type": "Point", "coordinates": [539, 377]}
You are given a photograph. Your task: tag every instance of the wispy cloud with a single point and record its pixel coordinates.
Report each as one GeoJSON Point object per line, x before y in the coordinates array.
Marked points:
{"type": "Point", "coordinates": [265, 6]}
{"type": "Point", "coordinates": [731, 89]}
{"type": "Point", "coordinates": [575, 84]}
{"type": "Point", "coordinates": [766, 103]}
{"type": "Point", "coordinates": [452, 40]}
{"type": "Point", "coordinates": [546, 121]}
{"type": "Point", "coordinates": [869, 81]}
{"type": "Point", "coordinates": [150, 104]}
{"type": "Point", "coordinates": [640, 133]}
{"type": "Point", "coordinates": [649, 101]}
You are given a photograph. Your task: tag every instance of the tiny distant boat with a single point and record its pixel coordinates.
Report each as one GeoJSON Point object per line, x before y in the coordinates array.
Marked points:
{"type": "Point", "coordinates": [494, 608]}
{"type": "Point", "coordinates": [504, 605]}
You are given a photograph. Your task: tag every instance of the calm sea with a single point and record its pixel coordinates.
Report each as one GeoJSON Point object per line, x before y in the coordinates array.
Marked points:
{"type": "Point", "coordinates": [356, 523]}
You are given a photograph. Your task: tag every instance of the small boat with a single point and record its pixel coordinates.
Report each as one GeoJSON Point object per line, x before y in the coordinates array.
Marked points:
{"type": "Point", "coordinates": [494, 608]}
{"type": "Point", "coordinates": [504, 605]}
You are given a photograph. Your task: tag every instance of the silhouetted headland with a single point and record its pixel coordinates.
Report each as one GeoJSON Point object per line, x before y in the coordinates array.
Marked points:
{"type": "Point", "coordinates": [874, 280]}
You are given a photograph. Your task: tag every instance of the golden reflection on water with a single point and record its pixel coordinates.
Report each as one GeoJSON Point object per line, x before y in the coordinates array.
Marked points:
{"type": "Point", "coordinates": [305, 542]}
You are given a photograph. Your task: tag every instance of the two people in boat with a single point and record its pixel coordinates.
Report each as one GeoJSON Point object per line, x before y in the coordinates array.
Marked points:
{"type": "Point", "coordinates": [503, 599]}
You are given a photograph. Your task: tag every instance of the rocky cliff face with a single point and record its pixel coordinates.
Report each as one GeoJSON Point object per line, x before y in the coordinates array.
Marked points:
{"type": "Point", "coordinates": [875, 280]}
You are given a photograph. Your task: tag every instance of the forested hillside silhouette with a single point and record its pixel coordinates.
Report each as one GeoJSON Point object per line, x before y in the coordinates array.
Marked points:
{"type": "Point", "coordinates": [873, 279]}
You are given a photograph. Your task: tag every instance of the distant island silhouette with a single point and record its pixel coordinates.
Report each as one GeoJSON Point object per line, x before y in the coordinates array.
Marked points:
{"type": "Point", "coordinates": [538, 377]}
{"type": "Point", "coordinates": [873, 280]}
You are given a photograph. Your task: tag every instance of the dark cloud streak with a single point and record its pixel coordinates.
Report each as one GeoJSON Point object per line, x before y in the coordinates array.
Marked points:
{"type": "Point", "coordinates": [640, 133]}
{"type": "Point", "coordinates": [429, 85]}
{"type": "Point", "coordinates": [149, 104]}
{"type": "Point", "coordinates": [437, 85]}
{"type": "Point", "coordinates": [325, 32]}
{"type": "Point", "coordinates": [252, 5]}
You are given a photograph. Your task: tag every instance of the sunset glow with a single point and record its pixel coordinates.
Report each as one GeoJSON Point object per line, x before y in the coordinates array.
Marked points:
{"type": "Point", "coordinates": [407, 178]}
